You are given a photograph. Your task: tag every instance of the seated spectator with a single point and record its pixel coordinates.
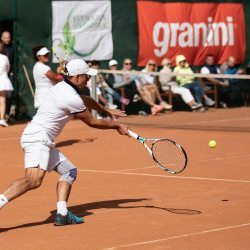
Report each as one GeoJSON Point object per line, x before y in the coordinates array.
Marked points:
{"type": "Point", "coordinates": [166, 81]}
{"type": "Point", "coordinates": [149, 82]}
{"type": "Point", "coordinates": [227, 92]}
{"type": "Point", "coordinates": [188, 82]}
{"type": "Point", "coordinates": [100, 97]}
{"type": "Point", "coordinates": [129, 82]}
{"type": "Point", "coordinates": [108, 85]}
{"type": "Point", "coordinates": [243, 84]}
{"type": "Point", "coordinates": [223, 67]}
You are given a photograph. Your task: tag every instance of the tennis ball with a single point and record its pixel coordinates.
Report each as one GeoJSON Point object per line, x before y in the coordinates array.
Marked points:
{"type": "Point", "coordinates": [212, 144]}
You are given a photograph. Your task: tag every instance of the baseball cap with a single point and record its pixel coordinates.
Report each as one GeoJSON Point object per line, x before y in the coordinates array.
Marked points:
{"type": "Point", "coordinates": [43, 51]}
{"type": "Point", "coordinates": [79, 67]}
{"type": "Point", "coordinates": [113, 62]}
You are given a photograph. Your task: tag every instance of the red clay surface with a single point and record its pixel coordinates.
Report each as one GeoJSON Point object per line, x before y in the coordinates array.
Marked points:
{"type": "Point", "coordinates": [126, 200]}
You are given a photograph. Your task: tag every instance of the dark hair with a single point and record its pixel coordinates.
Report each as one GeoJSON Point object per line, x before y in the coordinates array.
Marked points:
{"type": "Point", "coordinates": [209, 55]}
{"type": "Point", "coordinates": [94, 62]}
{"type": "Point", "coordinates": [35, 50]}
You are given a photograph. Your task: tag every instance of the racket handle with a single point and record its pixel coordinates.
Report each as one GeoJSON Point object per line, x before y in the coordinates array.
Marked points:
{"type": "Point", "coordinates": [134, 135]}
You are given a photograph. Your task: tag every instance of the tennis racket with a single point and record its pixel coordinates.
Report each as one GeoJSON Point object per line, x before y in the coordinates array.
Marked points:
{"type": "Point", "coordinates": [167, 154]}
{"type": "Point", "coordinates": [60, 50]}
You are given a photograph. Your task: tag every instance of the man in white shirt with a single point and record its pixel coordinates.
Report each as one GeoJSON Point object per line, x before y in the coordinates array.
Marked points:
{"type": "Point", "coordinates": [62, 103]}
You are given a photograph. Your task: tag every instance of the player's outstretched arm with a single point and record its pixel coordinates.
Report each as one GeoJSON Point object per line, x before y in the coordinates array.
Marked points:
{"type": "Point", "coordinates": [87, 118]}
{"type": "Point", "coordinates": [90, 103]}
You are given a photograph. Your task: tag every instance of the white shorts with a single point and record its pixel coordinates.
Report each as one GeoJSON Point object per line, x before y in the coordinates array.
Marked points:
{"type": "Point", "coordinates": [40, 151]}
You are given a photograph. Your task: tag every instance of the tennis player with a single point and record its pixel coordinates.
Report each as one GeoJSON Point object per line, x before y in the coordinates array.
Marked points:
{"type": "Point", "coordinates": [41, 156]}
{"type": "Point", "coordinates": [44, 77]}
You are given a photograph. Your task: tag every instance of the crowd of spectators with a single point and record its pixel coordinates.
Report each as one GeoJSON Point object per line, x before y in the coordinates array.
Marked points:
{"type": "Point", "coordinates": [144, 87]}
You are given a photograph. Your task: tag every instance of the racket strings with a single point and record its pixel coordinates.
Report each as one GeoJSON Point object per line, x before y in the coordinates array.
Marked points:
{"type": "Point", "coordinates": [59, 49]}
{"type": "Point", "coordinates": [169, 155]}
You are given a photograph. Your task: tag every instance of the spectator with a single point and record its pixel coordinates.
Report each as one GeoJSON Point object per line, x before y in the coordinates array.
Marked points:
{"type": "Point", "coordinates": [130, 88]}
{"type": "Point", "coordinates": [44, 77]}
{"type": "Point", "coordinates": [233, 70]}
{"type": "Point", "coordinates": [5, 85]}
{"type": "Point", "coordinates": [166, 81]}
{"type": "Point", "coordinates": [8, 50]}
{"type": "Point", "coordinates": [109, 92]}
{"type": "Point", "coordinates": [100, 97]}
{"type": "Point", "coordinates": [149, 82]}
{"type": "Point", "coordinates": [182, 67]}
{"type": "Point", "coordinates": [227, 92]}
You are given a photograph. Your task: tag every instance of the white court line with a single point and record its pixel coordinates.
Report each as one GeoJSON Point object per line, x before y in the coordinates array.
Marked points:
{"type": "Point", "coordinates": [137, 168]}
{"type": "Point", "coordinates": [16, 165]}
{"type": "Point", "coordinates": [178, 236]}
{"type": "Point", "coordinates": [4, 139]}
{"type": "Point", "coordinates": [163, 176]}
{"type": "Point", "coordinates": [206, 160]}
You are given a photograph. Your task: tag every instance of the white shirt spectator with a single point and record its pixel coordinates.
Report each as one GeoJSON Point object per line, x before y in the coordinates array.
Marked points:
{"type": "Point", "coordinates": [143, 79]}
{"type": "Point", "coordinates": [205, 70]}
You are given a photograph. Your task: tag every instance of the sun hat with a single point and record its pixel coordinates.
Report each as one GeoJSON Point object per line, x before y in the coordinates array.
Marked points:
{"type": "Point", "coordinates": [43, 51]}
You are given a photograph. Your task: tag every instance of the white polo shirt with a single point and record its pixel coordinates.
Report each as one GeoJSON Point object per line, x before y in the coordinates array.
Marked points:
{"type": "Point", "coordinates": [63, 100]}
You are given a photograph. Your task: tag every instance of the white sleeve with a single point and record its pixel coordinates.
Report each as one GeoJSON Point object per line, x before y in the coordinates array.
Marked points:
{"type": "Point", "coordinates": [205, 70]}
{"type": "Point", "coordinates": [74, 104]}
{"type": "Point", "coordinates": [44, 69]}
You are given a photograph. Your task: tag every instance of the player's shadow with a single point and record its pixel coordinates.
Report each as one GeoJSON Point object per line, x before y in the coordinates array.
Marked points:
{"type": "Point", "coordinates": [71, 142]}
{"type": "Point", "coordinates": [84, 210]}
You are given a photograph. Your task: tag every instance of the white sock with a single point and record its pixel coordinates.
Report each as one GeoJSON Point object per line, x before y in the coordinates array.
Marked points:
{"type": "Point", "coordinates": [3, 201]}
{"type": "Point", "coordinates": [62, 207]}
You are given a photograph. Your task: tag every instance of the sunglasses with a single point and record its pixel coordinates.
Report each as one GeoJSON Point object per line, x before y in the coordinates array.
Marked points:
{"type": "Point", "coordinates": [150, 64]}
{"type": "Point", "coordinates": [169, 63]}
{"type": "Point", "coordinates": [128, 63]}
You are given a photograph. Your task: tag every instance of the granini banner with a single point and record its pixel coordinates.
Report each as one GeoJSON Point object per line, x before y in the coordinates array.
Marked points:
{"type": "Point", "coordinates": [194, 30]}
{"type": "Point", "coordinates": [85, 27]}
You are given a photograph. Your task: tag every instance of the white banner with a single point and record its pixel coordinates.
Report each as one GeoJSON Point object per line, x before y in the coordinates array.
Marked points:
{"type": "Point", "coordinates": [85, 27]}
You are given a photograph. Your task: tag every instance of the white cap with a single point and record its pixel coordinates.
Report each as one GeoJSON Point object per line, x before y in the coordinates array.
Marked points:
{"type": "Point", "coordinates": [43, 51]}
{"type": "Point", "coordinates": [79, 67]}
{"type": "Point", "coordinates": [113, 62]}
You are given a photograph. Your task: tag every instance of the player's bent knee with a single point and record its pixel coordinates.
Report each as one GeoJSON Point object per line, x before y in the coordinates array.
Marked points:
{"type": "Point", "coordinates": [34, 183]}
{"type": "Point", "coordinates": [69, 176]}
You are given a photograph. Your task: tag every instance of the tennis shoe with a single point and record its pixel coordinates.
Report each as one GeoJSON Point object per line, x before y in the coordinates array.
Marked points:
{"type": "Point", "coordinates": [156, 109]}
{"type": "Point", "coordinates": [136, 98]}
{"type": "Point", "coordinates": [68, 219]}
{"type": "Point", "coordinates": [112, 106]}
{"type": "Point", "coordinates": [202, 110]}
{"type": "Point", "coordinates": [125, 101]}
{"type": "Point", "coordinates": [209, 102]}
{"type": "Point", "coordinates": [166, 105]}
{"type": "Point", "coordinates": [196, 106]}
{"type": "Point", "coordinates": [3, 123]}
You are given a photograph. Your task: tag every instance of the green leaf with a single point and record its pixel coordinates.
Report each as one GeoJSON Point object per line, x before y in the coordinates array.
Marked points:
{"type": "Point", "coordinates": [67, 32]}
{"type": "Point", "coordinates": [73, 41]}
{"type": "Point", "coordinates": [72, 52]}
{"type": "Point", "coordinates": [60, 45]}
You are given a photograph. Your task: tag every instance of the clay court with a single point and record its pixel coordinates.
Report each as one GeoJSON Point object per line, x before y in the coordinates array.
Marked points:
{"type": "Point", "coordinates": [126, 200]}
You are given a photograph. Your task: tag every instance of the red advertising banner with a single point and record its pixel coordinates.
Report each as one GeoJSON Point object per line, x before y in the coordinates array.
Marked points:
{"type": "Point", "coordinates": [191, 29]}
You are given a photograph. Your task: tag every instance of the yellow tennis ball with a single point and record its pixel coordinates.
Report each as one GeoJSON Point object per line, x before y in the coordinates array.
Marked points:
{"type": "Point", "coordinates": [212, 144]}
